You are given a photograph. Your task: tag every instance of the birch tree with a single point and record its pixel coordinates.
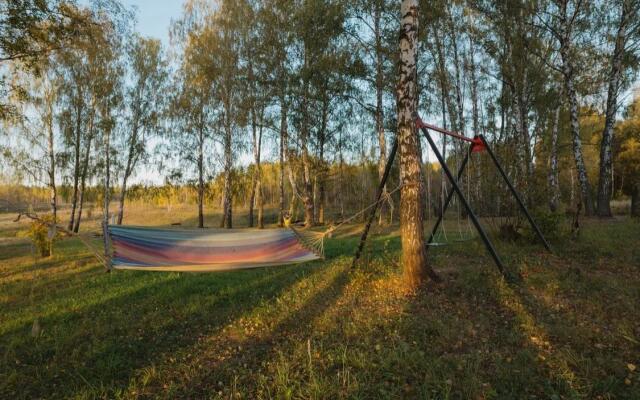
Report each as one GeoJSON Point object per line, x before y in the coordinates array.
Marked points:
{"type": "Point", "coordinates": [376, 18]}
{"type": "Point", "coordinates": [626, 25]}
{"type": "Point", "coordinates": [193, 115]}
{"type": "Point", "coordinates": [144, 102]}
{"type": "Point", "coordinates": [553, 176]}
{"type": "Point", "coordinates": [564, 31]}
{"type": "Point", "coordinates": [414, 256]}
{"type": "Point", "coordinates": [628, 157]}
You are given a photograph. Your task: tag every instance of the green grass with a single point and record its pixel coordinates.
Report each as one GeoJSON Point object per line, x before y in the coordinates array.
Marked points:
{"type": "Point", "coordinates": [568, 329]}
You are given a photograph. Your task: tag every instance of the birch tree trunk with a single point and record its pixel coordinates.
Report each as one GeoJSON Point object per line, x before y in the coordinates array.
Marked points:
{"type": "Point", "coordinates": [107, 189]}
{"type": "Point", "coordinates": [446, 108]}
{"type": "Point", "coordinates": [379, 116]}
{"type": "Point", "coordinates": [228, 162]}
{"type": "Point", "coordinates": [259, 194]}
{"type": "Point", "coordinates": [321, 176]}
{"type": "Point", "coordinates": [605, 181]}
{"type": "Point", "coordinates": [475, 111]}
{"type": "Point", "coordinates": [256, 180]}
{"type": "Point", "coordinates": [414, 256]}
{"type": "Point", "coordinates": [307, 195]}
{"type": "Point", "coordinates": [567, 71]}
{"type": "Point", "coordinates": [85, 168]}
{"type": "Point", "coordinates": [553, 178]}
{"type": "Point", "coordinates": [460, 125]}
{"type": "Point", "coordinates": [76, 166]}
{"type": "Point", "coordinates": [201, 175]}
{"type": "Point", "coordinates": [132, 157]}
{"type": "Point", "coordinates": [254, 143]}
{"type": "Point", "coordinates": [283, 135]}
{"type": "Point", "coordinates": [53, 196]}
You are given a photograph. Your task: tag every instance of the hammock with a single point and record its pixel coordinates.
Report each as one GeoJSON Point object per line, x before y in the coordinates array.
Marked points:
{"type": "Point", "coordinates": [152, 249]}
{"type": "Point", "coordinates": [202, 250]}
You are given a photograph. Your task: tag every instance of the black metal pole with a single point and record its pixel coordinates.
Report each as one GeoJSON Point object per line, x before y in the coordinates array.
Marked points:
{"type": "Point", "coordinates": [449, 197]}
{"type": "Point", "coordinates": [383, 181]}
{"type": "Point", "coordinates": [516, 195]}
{"type": "Point", "coordinates": [472, 215]}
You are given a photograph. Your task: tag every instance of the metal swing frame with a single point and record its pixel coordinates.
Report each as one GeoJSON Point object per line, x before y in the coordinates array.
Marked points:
{"type": "Point", "coordinates": [476, 144]}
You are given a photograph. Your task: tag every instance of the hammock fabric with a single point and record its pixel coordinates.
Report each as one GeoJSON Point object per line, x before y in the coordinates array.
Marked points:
{"type": "Point", "coordinates": [203, 250]}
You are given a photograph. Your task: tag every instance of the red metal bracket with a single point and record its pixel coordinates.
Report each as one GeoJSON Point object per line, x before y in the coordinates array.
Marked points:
{"type": "Point", "coordinates": [476, 142]}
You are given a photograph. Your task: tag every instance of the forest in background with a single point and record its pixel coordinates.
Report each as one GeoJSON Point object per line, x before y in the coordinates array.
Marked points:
{"type": "Point", "coordinates": [292, 105]}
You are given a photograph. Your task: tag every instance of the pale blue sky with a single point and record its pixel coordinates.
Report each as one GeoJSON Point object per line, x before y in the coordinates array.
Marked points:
{"type": "Point", "coordinates": [154, 16]}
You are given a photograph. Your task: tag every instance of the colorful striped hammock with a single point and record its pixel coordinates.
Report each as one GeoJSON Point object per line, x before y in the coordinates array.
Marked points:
{"type": "Point", "coordinates": [153, 249]}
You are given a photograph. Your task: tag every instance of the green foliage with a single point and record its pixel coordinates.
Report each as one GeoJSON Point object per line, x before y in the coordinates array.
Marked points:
{"type": "Point", "coordinates": [43, 235]}
{"type": "Point", "coordinates": [29, 31]}
{"type": "Point", "coordinates": [549, 223]}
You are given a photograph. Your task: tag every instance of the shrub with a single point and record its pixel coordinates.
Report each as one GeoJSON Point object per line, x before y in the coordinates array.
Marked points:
{"type": "Point", "coordinates": [548, 222]}
{"type": "Point", "coordinates": [42, 233]}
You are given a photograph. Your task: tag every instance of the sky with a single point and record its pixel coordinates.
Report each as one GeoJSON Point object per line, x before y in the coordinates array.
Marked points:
{"type": "Point", "coordinates": [154, 16]}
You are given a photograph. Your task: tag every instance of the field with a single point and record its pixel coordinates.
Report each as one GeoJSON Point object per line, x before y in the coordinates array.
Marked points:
{"type": "Point", "coordinates": [569, 328]}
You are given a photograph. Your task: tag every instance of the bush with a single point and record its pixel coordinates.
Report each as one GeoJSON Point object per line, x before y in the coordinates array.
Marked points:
{"type": "Point", "coordinates": [548, 222]}
{"type": "Point", "coordinates": [43, 234]}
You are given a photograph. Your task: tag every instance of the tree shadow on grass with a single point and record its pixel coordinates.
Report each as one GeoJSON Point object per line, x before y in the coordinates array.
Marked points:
{"type": "Point", "coordinates": [101, 345]}
{"type": "Point", "coordinates": [579, 323]}
{"type": "Point", "coordinates": [15, 249]}
{"type": "Point", "coordinates": [460, 340]}
{"type": "Point", "coordinates": [232, 360]}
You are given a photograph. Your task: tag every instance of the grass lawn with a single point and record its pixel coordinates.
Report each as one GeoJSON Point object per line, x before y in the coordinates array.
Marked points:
{"type": "Point", "coordinates": [570, 328]}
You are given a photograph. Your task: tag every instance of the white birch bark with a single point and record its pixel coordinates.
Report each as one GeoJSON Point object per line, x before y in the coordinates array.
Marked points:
{"type": "Point", "coordinates": [414, 257]}
{"type": "Point", "coordinates": [605, 181]}
{"type": "Point", "coordinates": [568, 72]}
{"type": "Point", "coordinates": [553, 179]}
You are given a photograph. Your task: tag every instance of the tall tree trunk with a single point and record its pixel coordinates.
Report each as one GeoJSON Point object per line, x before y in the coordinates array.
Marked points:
{"type": "Point", "coordinates": [254, 142]}
{"type": "Point", "coordinates": [446, 107]}
{"type": "Point", "coordinates": [526, 158]}
{"type": "Point", "coordinates": [605, 181]}
{"type": "Point", "coordinates": [132, 158]}
{"type": "Point", "coordinates": [123, 193]}
{"type": "Point", "coordinates": [76, 166]}
{"type": "Point", "coordinates": [228, 162]}
{"type": "Point", "coordinates": [414, 256]}
{"type": "Point", "coordinates": [53, 196]}
{"type": "Point", "coordinates": [259, 194]}
{"type": "Point", "coordinates": [553, 178]}
{"type": "Point", "coordinates": [293, 204]}
{"type": "Point", "coordinates": [283, 136]}
{"type": "Point", "coordinates": [567, 70]}
{"type": "Point", "coordinates": [201, 176]}
{"type": "Point", "coordinates": [107, 189]}
{"type": "Point", "coordinates": [379, 116]}
{"type": "Point", "coordinates": [460, 125]}
{"type": "Point", "coordinates": [291, 175]}
{"type": "Point", "coordinates": [339, 193]}
{"type": "Point", "coordinates": [85, 169]}
{"type": "Point", "coordinates": [475, 112]}
{"type": "Point", "coordinates": [123, 189]}
{"type": "Point", "coordinates": [307, 195]}
{"type": "Point", "coordinates": [321, 176]}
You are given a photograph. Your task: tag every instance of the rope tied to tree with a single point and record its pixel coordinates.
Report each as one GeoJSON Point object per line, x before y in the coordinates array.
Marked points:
{"type": "Point", "coordinates": [314, 240]}
{"type": "Point", "coordinates": [54, 228]}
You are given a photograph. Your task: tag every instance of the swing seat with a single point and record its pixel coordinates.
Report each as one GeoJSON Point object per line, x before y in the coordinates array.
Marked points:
{"type": "Point", "coordinates": [464, 239]}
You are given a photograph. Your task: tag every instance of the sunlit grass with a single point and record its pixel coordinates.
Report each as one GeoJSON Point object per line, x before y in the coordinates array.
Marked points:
{"type": "Point", "coordinates": [568, 329]}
